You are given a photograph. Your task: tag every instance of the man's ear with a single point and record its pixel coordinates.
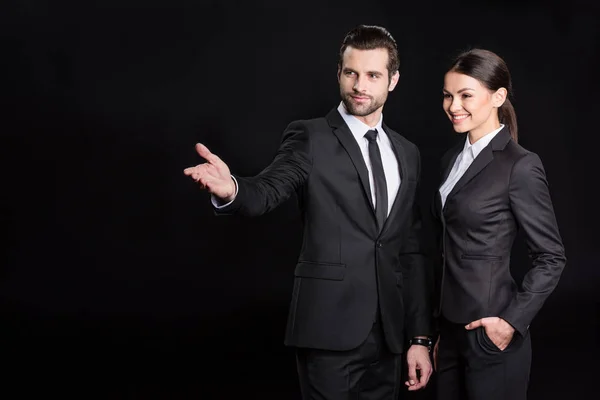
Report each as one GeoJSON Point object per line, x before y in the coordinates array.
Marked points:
{"type": "Point", "coordinates": [394, 81]}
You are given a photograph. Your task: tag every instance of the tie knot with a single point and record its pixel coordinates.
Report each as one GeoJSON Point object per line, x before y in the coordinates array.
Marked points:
{"type": "Point", "coordinates": [371, 135]}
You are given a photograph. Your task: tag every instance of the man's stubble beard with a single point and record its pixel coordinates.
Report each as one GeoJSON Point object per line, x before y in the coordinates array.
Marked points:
{"type": "Point", "coordinates": [361, 111]}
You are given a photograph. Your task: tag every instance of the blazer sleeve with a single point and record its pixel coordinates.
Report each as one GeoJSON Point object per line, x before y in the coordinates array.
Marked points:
{"type": "Point", "coordinates": [532, 207]}
{"type": "Point", "coordinates": [287, 172]}
{"type": "Point", "coordinates": [435, 230]}
{"type": "Point", "coordinates": [418, 282]}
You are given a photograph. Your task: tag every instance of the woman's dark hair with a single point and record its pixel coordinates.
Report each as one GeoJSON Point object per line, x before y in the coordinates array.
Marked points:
{"type": "Point", "coordinates": [371, 37]}
{"type": "Point", "coordinates": [491, 70]}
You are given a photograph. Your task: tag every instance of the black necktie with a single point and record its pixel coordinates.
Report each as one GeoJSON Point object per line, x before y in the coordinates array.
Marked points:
{"type": "Point", "coordinates": [381, 196]}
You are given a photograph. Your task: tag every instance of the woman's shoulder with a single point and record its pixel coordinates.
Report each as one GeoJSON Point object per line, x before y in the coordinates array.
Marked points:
{"type": "Point", "coordinates": [516, 152]}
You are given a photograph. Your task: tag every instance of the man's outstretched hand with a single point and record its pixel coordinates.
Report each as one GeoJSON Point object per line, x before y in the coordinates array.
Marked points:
{"type": "Point", "coordinates": [213, 175]}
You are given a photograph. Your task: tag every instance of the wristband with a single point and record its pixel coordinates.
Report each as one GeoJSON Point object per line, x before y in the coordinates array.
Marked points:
{"type": "Point", "coordinates": [421, 342]}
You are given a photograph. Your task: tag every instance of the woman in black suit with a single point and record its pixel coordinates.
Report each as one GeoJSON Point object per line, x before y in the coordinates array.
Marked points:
{"type": "Point", "coordinates": [490, 188]}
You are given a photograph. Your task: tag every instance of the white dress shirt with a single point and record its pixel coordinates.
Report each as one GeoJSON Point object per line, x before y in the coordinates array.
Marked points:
{"type": "Point", "coordinates": [464, 160]}
{"type": "Point", "coordinates": [388, 157]}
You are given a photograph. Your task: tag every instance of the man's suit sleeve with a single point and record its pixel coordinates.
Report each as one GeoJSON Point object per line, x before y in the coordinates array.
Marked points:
{"type": "Point", "coordinates": [532, 206]}
{"type": "Point", "coordinates": [418, 281]}
{"type": "Point", "coordinates": [276, 183]}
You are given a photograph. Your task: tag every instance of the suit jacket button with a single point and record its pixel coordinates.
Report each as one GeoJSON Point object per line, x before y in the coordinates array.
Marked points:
{"type": "Point", "coordinates": [379, 244]}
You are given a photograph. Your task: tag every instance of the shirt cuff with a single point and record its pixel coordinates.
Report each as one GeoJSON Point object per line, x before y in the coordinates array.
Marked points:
{"type": "Point", "coordinates": [218, 202]}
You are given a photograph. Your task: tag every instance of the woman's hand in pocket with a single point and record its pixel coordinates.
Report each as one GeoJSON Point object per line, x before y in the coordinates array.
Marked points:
{"type": "Point", "coordinates": [498, 330]}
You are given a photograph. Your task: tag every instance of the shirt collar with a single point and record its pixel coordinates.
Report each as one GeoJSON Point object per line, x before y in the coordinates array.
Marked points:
{"type": "Point", "coordinates": [357, 127]}
{"type": "Point", "coordinates": [481, 143]}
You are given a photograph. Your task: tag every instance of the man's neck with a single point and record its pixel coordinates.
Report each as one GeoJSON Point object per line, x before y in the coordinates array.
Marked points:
{"type": "Point", "coordinates": [372, 119]}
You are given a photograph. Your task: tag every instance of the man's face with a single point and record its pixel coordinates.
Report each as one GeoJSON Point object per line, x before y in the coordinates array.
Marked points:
{"type": "Point", "coordinates": [364, 80]}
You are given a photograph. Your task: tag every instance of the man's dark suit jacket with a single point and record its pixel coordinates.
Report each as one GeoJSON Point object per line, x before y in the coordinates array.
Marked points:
{"type": "Point", "coordinates": [346, 264]}
{"type": "Point", "coordinates": [504, 189]}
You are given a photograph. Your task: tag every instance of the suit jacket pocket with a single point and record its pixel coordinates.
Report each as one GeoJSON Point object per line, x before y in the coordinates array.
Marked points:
{"type": "Point", "coordinates": [310, 269]}
{"type": "Point", "coordinates": [480, 257]}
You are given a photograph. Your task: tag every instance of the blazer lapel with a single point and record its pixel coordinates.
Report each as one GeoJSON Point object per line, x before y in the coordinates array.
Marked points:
{"type": "Point", "coordinates": [447, 163]}
{"type": "Point", "coordinates": [401, 157]}
{"type": "Point", "coordinates": [450, 163]}
{"type": "Point", "coordinates": [482, 160]}
{"type": "Point", "coordinates": [341, 130]}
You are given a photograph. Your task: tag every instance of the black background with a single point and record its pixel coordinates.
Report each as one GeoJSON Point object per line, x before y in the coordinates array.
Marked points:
{"type": "Point", "coordinates": [116, 279]}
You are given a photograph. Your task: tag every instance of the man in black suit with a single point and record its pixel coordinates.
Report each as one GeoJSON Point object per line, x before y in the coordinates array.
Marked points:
{"type": "Point", "coordinates": [361, 290]}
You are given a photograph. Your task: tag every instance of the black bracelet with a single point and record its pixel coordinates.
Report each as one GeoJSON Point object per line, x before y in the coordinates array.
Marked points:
{"type": "Point", "coordinates": [422, 342]}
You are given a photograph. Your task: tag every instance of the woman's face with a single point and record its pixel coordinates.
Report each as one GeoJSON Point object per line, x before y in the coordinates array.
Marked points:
{"type": "Point", "coordinates": [471, 106]}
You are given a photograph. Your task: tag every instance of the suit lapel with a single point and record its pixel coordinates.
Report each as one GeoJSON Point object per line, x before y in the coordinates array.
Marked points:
{"type": "Point", "coordinates": [401, 157]}
{"type": "Point", "coordinates": [341, 130]}
{"type": "Point", "coordinates": [447, 164]}
{"type": "Point", "coordinates": [451, 160]}
{"type": "Point", "coordinates": [481, 161]}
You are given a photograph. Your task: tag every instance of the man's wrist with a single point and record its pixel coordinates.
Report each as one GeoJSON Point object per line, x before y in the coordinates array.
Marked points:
{"type": "Point", "coordinates": [421, 341]}
{"type": "Point", "coordinates": [234, 190]}
{"type": "Point", "coordinates": [220, 202]}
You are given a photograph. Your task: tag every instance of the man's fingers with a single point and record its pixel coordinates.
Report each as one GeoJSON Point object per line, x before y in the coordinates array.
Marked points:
{"type": "Point", "coordinates": [425, 371]}
{"type": "Point", "coordinates": [425, 374]}
{"type": "Point", "coordinates": [412, 374]}
{"type": "Point", "coordinates": [200, 171]}
{"type": "Point", "coordinates": [206, 154]}
{"type": "Point", "coordinates": [418, 385]}
{"type": "Point", "coordinates": [202, 150]}
{"type": "Point", "coordinates": [189, 171]}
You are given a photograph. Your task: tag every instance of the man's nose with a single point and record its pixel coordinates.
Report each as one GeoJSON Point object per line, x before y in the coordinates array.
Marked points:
{"type": "Point", "coordinates": [359, 84]}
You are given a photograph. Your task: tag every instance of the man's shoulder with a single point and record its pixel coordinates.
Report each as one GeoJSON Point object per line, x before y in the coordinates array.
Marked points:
{"type": "Point", "coordinates": [311, 125]}
{"type": "Point", "coordinates": [309, 122]}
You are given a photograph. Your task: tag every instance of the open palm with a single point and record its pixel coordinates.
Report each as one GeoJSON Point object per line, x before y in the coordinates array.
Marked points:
{"type": "Point", "coordinates": [213, 175]}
